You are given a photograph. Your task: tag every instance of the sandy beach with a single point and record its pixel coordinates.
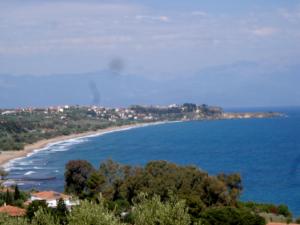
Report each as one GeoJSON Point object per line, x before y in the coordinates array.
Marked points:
{"type": "Point", "coordinates": [6, 156]}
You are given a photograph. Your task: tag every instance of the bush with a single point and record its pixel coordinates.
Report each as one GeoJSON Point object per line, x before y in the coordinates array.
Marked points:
{"type": "Point", "coordinates": [154, 212]}
{"type": "Point", "coordinates": [44, 217]}
{"type": "Point", "coordinates": [284, 210]}
{"type": "Point", "coordinates": [34, 207]}
{"type": "Point", "coordinates": [230, 216]}
{"type": "Point", "coordinates": [7, 220]}
{"type": "Point", "coordinates": [267, 208]}
{"type": "Point", "coordinates": [92, 213]}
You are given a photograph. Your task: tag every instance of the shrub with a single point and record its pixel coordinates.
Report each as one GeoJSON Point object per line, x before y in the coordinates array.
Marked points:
{"type": "Point", "coordinates": [92, 213]}
{"type": "Point", "coordinates": [44, 217]}
{"type": "Point", "coordinates": [231, 216]}
{"type": "Point", "coordinates": [7, 220]}
{"type": "Point", "coordinates": [154, 212]}
{"type": "Point", "coordinates": [34, 207]}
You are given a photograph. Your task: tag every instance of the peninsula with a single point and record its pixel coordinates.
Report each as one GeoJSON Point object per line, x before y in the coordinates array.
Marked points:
{"type": "Point", "coordinates": [26, 129]}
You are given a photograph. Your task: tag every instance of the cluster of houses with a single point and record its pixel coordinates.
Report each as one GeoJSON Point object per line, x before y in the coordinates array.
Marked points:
{"type": "Point", "coordinates": [149, 113]}
{"type": "Point", "coordinates": [50, 197]}
{"type": "Point", "coordinates": [110, 114]}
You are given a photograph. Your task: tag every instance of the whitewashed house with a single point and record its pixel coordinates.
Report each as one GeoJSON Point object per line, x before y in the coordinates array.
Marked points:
{"type": "Point", "coordinates": [52, 197]}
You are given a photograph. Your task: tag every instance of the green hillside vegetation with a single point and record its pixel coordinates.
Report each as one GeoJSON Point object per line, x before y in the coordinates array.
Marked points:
{"type": "Point", "coordinates": [24, 128]}
{"type": "Point", "coordinates": [206, 199]}
{"type": "Point", "coordinates": [159, 193]}
{"type": "Point", "coordinates": [12, 196]}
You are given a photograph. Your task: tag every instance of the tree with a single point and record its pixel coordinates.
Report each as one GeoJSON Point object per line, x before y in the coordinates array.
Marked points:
{"type": "Point", "coordinates": [284, 210]}
{"type": "Point", "coordinates": [61, 211]}
{"type": "Point", "coordinates": [234, 186]}
{"type": "Point", "coordinates": [44, 217]}
{"type": "Point", "coordinates": [34, 207]}
{"type": "Point", "coordinates": [17, 194]}
{"type": "Point", "coordinates": [92, 213]}
{"type": "Point", "coordinates": [230, 216]}
{"type": "Point", "coordinates": [8, 220]}
{"type": "Point", "coordinates": [155, 212]}
{"type": "Point", "coordinates": [122, 183]}
{"type": "Point", "coordinates": [9, 197]}
{"type": "Point", "coordinates": [162, 178]}
{"type": "Point", "coordinates": [76, 176]}
{"type": "Point", "coordinates": [111, 171]}
{"type": "Point", "coordinates": [94, 184]}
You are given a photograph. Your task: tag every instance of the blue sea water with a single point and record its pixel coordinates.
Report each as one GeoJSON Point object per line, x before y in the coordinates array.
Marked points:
{"type": "Point", "coordinates": [266, 152]}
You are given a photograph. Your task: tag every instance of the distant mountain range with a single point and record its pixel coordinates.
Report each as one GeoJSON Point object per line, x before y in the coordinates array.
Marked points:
{"type": "Point", "coordinates": [240, 84]}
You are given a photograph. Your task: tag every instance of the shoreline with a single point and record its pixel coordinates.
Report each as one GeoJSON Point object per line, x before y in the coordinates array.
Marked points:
{"type": "Point", "coordinates": [11, 155]}
{"type": "Point", "coordinates": [7, 156]}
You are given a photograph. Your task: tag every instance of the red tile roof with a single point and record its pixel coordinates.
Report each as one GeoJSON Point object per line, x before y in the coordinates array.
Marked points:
{"type": "Point", "coordinates": [50, 195]}
{"type": "Point", "coordinates": [12, 210]}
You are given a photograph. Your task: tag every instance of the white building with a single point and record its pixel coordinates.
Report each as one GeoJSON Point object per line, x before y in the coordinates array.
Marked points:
{"type": "Point", "coordinates": [52, 197]}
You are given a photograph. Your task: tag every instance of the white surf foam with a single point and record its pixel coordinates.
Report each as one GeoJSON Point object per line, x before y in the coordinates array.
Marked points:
{"type": "Point", "coordinates": [65, 144]}
{"type": "Point", "coordinates": [37, 168]}
{"type": "Point", "coordinates": [29, 173]}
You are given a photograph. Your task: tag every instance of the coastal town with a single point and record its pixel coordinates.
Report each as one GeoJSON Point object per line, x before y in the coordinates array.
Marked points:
{"type": "Point", "coordinates": [135, 113]}
{"type": "Point", "coordinates": [23, 126]}
{"type": "Point", "coordinates": [187, 111]}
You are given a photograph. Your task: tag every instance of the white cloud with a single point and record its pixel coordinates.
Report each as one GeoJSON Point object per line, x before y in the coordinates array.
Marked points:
{"type": "Point", "coordinates": [264, 31]}
{"type": "Point", "coordinates": [152, 18]}
{"type": "Point", "coordinates": [164, 18]}
{"type": "Point", "coordinates": [105, 29]}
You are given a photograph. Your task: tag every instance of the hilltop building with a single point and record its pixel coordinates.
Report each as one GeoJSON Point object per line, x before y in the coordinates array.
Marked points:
{"type": "Point", "coordinates": [52, 197]}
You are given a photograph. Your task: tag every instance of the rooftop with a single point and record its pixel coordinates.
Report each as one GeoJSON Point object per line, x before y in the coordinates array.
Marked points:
{"type": "Point", "coordinates": [50, 195]}
{"type": "Point", "coordinates": [12, 210]}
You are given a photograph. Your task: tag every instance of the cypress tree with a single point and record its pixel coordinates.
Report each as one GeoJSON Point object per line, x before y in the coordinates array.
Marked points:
{"type": "Point", "coordinates": [8, 198]}
{"type": "Point", "coordinates": [17, 194]}
{"type": "Point", "coordinates": [62, 211]}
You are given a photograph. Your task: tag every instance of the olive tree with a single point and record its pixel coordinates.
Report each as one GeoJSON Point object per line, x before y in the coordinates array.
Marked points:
{"type": "Point", "coordinates": [155, 212]}
{"type": "Point", "coordinates": [92, 213]}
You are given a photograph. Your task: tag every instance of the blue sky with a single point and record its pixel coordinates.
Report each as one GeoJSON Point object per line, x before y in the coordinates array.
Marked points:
{"type": "Point", "coordinates": [152, 38]}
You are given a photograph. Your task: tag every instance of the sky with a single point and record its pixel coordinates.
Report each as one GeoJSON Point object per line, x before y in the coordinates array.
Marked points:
{"type": "Point", "coordinates": [156, 39]}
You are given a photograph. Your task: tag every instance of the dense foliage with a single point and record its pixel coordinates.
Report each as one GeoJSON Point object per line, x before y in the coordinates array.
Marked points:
{"type": "Point", "coordinates": [230, 216]}
{"type": "Point", "coordinates": [121, 184]}
{"type": "Point", "coordinates": [155, 212]}
{"type": "Point", "coordinates": [271, 212]}
{"type": "Point", "coordinates": [267, 208]}
{"type": "Point", "coordinates": [146, 211]}
{"type": "Point", "coordinates": [21, 128]}
{"type": "Point", "coordinates": [159, 193]}
{"type": "Point", "coordinates": [12, 196]}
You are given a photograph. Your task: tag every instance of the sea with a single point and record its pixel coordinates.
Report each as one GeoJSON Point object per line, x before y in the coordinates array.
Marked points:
{"type": "Point", "coordinates": [266, 152]}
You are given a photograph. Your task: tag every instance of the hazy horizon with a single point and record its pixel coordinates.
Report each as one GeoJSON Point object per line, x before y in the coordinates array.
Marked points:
{"type": "Point", "coordinates": [232, 54]}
